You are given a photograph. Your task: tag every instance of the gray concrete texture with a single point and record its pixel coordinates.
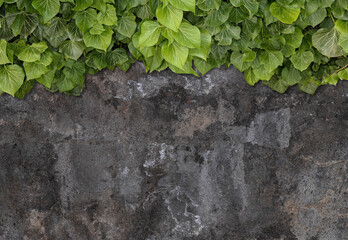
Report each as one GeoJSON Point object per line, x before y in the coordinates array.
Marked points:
{"type": "Point", "coordinates": [166, 156]}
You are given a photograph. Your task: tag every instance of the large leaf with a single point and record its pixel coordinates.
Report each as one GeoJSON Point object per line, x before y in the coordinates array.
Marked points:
{"type": "Point", "coordinates": [271, 59]}
{"type": "Point", "coordinates": [207, 5]}
{"type": "Point", "coordinates": [204, 50]}
{"type": "Point", "coordinates": [11, 78]}
{"type": "Point", "coordinates": [218, 17]}
{"type": "Point", "coordinates": [47, 8]}
{"type": "Point", "coordinates": [150, 32]}
{"type": "Point", "coordinates": [108, 17]}
{"type": "Point", "coordinates": [3, 54]}
{"type": "Point", "coordinates": [83, 4]}
{"type": "Point", "coordinates": [302, 60]}
{"type": "Point", "coordinates": [169, 16]}
{"type": "Point", "coordinates": [326, 41]}
{"type": "Point", "coordinates": [188, 35]}
{"type": "Point", "coordinates": [101, 41]}
{"type": "Point", "coordinates": [127, 25]}
{"type": "Point", "coordinates": [86, 19]}
{"type": "Point", "coordinates": [72, 49]}
{"type": "Point", "coordinates": [34, 70]}
{"type": "Point", "coordinates": [343, 42]}
{"type": "Point", "coordinates": [185, 5]}
{"type": "Point", "coordinates": [32, 53]}
{"type": "Point", "coordinates": [285, 14]}
{"type": "Point", "coordinates": [175, 54]}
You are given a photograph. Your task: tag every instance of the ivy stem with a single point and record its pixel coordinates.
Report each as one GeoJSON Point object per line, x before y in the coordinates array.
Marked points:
{"type": "Point", "coordinates": [333, 19]}
{"type": "Point", "coordinates": [340, 69]}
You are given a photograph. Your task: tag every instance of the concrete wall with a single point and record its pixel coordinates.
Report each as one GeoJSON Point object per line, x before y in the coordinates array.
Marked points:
{"type": "Point", "coordinates": [165, 156]}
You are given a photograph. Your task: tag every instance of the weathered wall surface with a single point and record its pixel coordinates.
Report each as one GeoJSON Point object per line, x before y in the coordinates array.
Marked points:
{"type": "Point", "coordinates": [164, 156]}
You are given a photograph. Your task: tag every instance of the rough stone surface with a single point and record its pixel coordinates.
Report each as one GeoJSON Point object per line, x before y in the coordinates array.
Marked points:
{"type": "Point", "coordinates": [165, 156]}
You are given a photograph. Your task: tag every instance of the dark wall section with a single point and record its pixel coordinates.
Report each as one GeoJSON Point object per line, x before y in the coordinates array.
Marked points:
{"type": "Point", "coordinates": [166, 156]}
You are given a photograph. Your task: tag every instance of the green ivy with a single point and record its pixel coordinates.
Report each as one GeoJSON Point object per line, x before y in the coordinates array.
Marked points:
{"type": "Point", "coordinates": [279, 42]}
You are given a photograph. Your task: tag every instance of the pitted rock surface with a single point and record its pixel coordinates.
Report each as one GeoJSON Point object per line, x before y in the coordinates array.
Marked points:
{"type": "Point", "coordinates": [166, 156]}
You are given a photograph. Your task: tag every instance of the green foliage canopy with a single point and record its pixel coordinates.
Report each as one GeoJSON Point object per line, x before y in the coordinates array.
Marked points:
{"type": "Point", "coordinates": [278, 42]}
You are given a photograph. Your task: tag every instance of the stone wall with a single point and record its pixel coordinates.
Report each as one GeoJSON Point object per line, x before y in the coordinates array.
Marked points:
{"type": "Point", "coordinates": [165, 156]}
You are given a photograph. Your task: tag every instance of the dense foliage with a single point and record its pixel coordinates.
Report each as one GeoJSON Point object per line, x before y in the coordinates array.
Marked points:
{"type": "Point", "coordinates": [281, 42]}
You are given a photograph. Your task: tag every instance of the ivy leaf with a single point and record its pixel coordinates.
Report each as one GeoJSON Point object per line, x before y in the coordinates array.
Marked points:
{"type": "Point", "coordinates": [185, 5]}
{"type": "Point", "coordinates": [343, 42]}
{"type": "Point", "coordinates": [24, 89]}
{"type": "Point", "coordinates": [18, 24]}
{"type": "Point", "coordinates": [150, 32]}
{"type": "Point", "coordinates": [250, 77]}
{"type": "Point", "coordinates": [207, 5]}
{"type": "Point", "coordinates": [227, 34]}
{"type": "Point", "coordinates": [108, 17]}
{"type": "Point", "coordinates": [156, 60]}
{"type": "Point", "coordinates": [47, 78]}
{"type": "Point", "coordinates": [302, 60]}
{"type": "Point", "coordinates": [291, 76]}
{"type": "Point", "coordinates": [3, 55]}
{"type": "Point", "coordinates": [118, 56]}
{"type": "Point", "coordinates": [83, 4]}
{"type": "Point", "coordinates": [294, 39]}
{"type": "Point", "coordinates": [169, 16]}
{"type": "Point", "coordinates": [188, 35]}
{"type": "Point", "coordinates": [47, 8]}
{"type": "Point", "coordinates": [127, 25]}
{"type": "Point", "coordinates": [218, 17]}
{"type": "Point", "coordinates": [342, 26]}
{"type": "Point", "coordinates": [86, 19]}
{"type": "Point", "coordinates": [72, 49]}
{"type": "Point", "coordinates": [74, 32]}
{"type": "Point", "coordinates": [284, 14]}
{"type": "Point", "coordinates": [32, 53]}
{"type": "Point", "coordinates": [202, 66]}
{"type": "Point", "coordinates": [76, 73]}
{"type": "Point", "coordinates": [343, 74]}
{"type": "Point", "coordinates": [277, 84]}
{"type": "Point", "coordinates": [309, 88]}
{"type": "Point", "coordinates": [34, 70]}
{"type": "Point", "coordinates": [237, 60]}
{"type": "Point", "coordinates": [101, 41]}
{"type": "Point", "coordinates": [204, 50]}
{"type": "Point", "coordinates": [175, 54]}
{"type": "Point", "coordinates": [271, 59]}
{"type": "Point", "coordinates": [326, 41]}
{"type": "Point", "coordinates": [11, 78]}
